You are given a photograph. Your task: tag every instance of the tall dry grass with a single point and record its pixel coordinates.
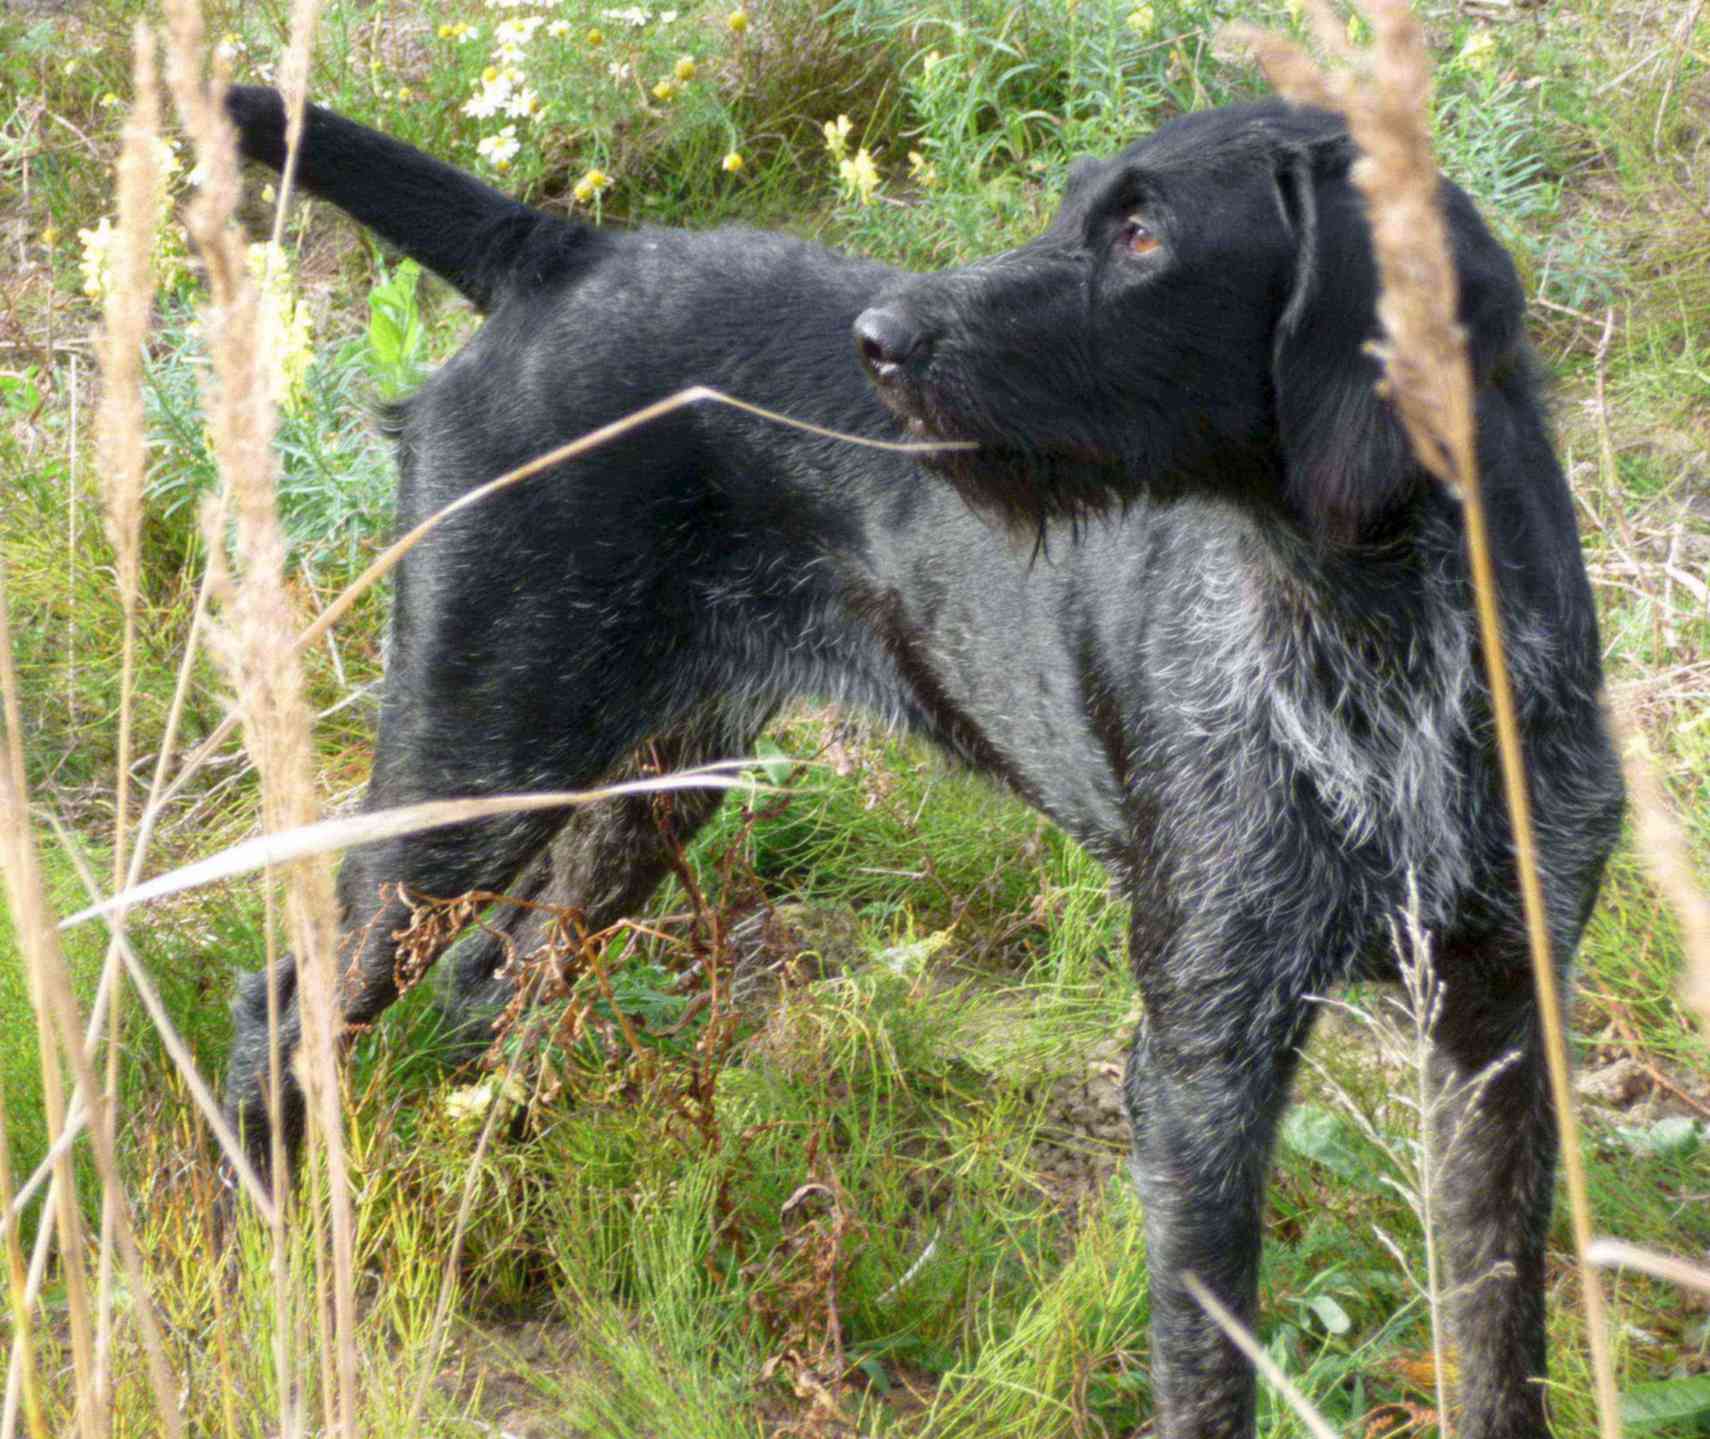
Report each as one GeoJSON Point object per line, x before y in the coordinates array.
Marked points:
{"type": "Point", "coordinates": [50, 981]}
{"type": "Point", "coordinates": [255, 646]}
{"type": "Point", "coordinates": [120, 430]}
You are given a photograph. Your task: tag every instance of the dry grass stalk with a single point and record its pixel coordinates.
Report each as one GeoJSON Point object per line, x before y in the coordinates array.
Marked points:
{"type": "Point", "coordinates": [317, 993]}
{"type": "Point", "coordinates": [56, 1017]}
{"type": "Point", "coordinates": [1425, 1006]}
{"type": "Point", "coordinates": [256, 647]}
{"type": "Point", "coordinates": [1663, 847]}
{"type": "Point", "coordinates": [171, 1041]}
{"type": "Point", "coordinates": [120, 425]}
{"type": "Point", "coordinates": [1426, 373]}
{"type": "Point", "coordinates": [1315, 1423]}
{"type": "Point", "coordinates": [328, 836]}
{"type": "Point", "coordinates": [1403, 1029]}
{"type": "Point", "coordinates": [120, 428]}
{"type": "Point", "coordinates": [241, 421]}
{"type": "Point", "coordinates": [1619, 1254]}
{"type": "Point", "coordinates": [120, 433]}
{"type": "Point", "coordinates": [1428, 379]}
{"type": "Point", "coordinates": [40, 951]}
{"type": "Point", "coordinates": [294, 84]}
{"type": "Point", "coordinates": [17, 1282]}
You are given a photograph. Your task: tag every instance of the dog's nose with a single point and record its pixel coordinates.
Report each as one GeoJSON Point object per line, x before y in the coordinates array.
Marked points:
{"type": "Point", "coordinates": [888, 342]}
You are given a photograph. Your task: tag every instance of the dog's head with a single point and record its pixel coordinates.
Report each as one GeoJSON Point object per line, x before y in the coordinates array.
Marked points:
{"type": "Point", "coordinates": [1196, 317]}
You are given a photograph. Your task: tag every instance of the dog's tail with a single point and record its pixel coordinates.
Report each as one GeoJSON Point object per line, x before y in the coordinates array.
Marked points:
{"type": "Point", "coordinates": [468, 233]}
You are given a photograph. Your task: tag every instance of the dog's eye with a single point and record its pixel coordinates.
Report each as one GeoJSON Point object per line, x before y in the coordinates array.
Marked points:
{"type": "Point", "coordinates": [1137, 237]}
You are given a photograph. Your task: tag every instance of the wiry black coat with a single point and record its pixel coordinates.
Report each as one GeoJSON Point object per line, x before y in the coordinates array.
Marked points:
{"type": "Point", "coordinates": [1191, 596]}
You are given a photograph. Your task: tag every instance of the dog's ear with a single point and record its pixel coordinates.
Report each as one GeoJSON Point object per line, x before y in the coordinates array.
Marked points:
{"type": "Point", "coordinates": [1346, 459]}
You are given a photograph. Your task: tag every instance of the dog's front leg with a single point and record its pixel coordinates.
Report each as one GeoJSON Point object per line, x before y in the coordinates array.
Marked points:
{"type": "Point", "coordinates": [1207, 1080]}
{"type": "Point", "coordinates": [1494, 1162]}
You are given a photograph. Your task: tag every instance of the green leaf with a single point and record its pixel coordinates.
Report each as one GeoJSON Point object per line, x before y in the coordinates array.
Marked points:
{"type": "Point", "coordinates": [395, 334]}
{"type": "Point", "coordinates": [775, 764]}
{"type": "Point", "coordinates": [1324, 1137]}
{"type": "Point", "coordinates": [384, 337]}
{"type": "Point", "coordinates": [1675, 1137]}
{"type": "Point", "coordinates": [1667, 1401]}
{"type": "Point", "coordinates": [1330, 1314]}
{"type": "Point", "coordinates": [19, 392]}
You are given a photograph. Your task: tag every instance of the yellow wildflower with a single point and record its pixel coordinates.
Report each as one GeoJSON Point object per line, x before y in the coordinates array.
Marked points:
{"type": "Point", "coordinates": [733, 162]}
{"type": "Point", "coordinates": [1479, 53]}
{"type": "Point", "coordinates": [860, 176]}
{"type": "Point", "coordinates": [737, 20]}
{"type": "Point", "coordinates": [596, 38]}
{"type": "Point", "coordinates": [1143, 21]}
{"type": "Point", "coordinates": [286, 327]}
{"type": "Point", "coordinates": [97, 260]}
{"type": "Point", "coordinates": [590, 185]}
{"type": "Point", "coordinates": [685, 68]}
{"type": "Point", "coordinates": [837, 136]}
{"type": "Point", "coordinates": [665, 90]}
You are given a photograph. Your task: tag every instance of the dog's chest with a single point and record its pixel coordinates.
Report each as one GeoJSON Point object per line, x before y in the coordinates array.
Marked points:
{"type": "Point", "coordinates": [1294, 737]}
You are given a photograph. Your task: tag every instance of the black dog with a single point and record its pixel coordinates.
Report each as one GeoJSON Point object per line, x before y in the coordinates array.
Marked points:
{"type": "Point", "coordinates": [1191, 596]}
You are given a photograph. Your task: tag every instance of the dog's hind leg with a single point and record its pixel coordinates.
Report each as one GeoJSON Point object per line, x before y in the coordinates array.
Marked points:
{"type": "Point", "coordinates": [605, 863]}
{"type": "Point", "coordinates": [466, 727]}
{"type": "Point", "coordinates": [443, 863]}
{"type": "Point", "coordinates": [1207, 1080]}
{"type": "Point", "coordinates": [1495, 1134]}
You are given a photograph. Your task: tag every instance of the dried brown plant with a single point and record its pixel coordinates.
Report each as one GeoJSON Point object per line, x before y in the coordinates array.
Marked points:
{"type": "Point", "coordinates": [54, 1001]}
{"type": "Point", "coordinates": [256, 645]}
{"type": "Point", "coordinates": [120, 428]}
{"type": "Point", "coordinates": [1663, 847]}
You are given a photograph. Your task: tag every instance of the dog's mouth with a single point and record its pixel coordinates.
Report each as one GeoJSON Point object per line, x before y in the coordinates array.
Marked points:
{"type": "Point", "coordinates": [1024, 485]}
{"type": "Point", "coordinates": [961, 442]}
{"type": "Point", "coordinates": [925, 422]}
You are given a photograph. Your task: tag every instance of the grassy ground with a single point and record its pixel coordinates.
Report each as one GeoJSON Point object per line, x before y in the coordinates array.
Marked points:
{"type": "Point", "coordinates": [874, 1186]}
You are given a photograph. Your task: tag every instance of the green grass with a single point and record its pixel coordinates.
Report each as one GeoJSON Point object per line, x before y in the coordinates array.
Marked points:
{"type": "Point", "coordinates": [884, 1133]}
